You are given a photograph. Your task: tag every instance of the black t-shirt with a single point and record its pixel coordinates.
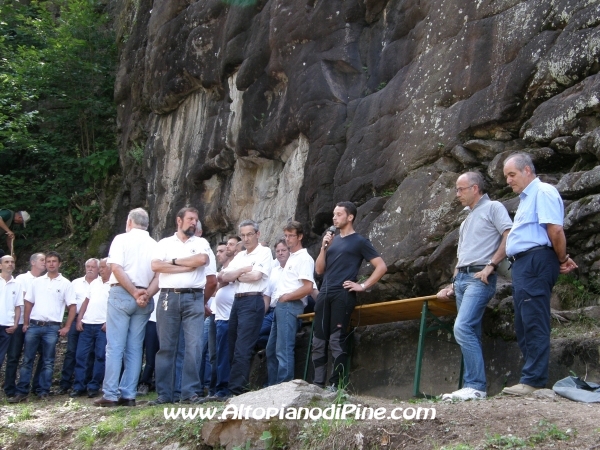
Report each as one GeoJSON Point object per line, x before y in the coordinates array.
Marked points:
{"type": "Point", "coordinates": [343, 259]}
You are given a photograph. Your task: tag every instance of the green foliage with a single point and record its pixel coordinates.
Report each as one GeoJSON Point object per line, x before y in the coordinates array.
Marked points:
{"type": "Point", "coordinates": [574, 294]}
{"type": "Point", "coordinates": [57, 115]}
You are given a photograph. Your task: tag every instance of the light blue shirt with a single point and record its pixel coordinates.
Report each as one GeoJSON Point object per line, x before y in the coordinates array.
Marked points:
{"type": "Point", "coordinates": [540, 205]}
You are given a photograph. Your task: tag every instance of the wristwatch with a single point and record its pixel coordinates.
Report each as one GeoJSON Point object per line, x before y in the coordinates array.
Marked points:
{"type": "Point", "coordinates": [491, 263]}
{"type": "Point", "coordinates": [362, 285]}
{"type": "Point", "coordinates": [173, 261]}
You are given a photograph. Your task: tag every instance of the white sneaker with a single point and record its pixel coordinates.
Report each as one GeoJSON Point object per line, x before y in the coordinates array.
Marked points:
{"type": "Point", "coordinates": [464, 394]}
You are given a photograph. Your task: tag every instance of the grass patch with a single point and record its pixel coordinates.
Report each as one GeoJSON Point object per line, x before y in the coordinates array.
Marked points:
{"type": "Point", "coordinates": [574, 294]}
{"type": "Point", "coordinates": [23, 412]}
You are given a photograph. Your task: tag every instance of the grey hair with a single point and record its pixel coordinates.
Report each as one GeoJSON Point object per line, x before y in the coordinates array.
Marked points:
{"type": "Point", "coordinates": [249, 223]}
{"type": "Point", "coordinates": [35, 256]}
{"type": "Point", "coordinates": [139, 216]}
{"type": "Point", "coordinates": [97, 261]}
{"type": "Point", "coordinates": [521, 160]}
{"type": "Point", "coordinates": [476, 178]}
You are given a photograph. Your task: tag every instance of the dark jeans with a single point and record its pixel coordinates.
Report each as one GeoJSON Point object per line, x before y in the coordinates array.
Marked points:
{"type": "Point", "coordinates": [5, 339]}
{"type": "Point", "coordinates": [265, 329]}
{"type": "Point", "coordinates": [46, 336]}
{"type": "Point", "coordinates": [246, 318]}
{"type": "Point", "coordinates": [332, 317]}
{"type": "Point", "coordinates": [150, 349]}
{"type": "Point", "coordinates": [92, 340]}
{"type": "Point", "coordinates": [68, 369]}
{"type": "Point", "coordinates": [13, 356]}
{"type": "Point", "coordinates": [533, 277]}
{"type": "Point", "coordinates": [222, 363]}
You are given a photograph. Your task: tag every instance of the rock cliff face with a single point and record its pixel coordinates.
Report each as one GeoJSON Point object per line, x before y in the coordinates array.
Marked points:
{"type": "Point", "coordinates": [278, 109]}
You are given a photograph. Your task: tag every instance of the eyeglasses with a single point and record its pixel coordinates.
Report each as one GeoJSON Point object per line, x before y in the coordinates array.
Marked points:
{"type": "Point", "coordinates": [249, 235]}
{"type": "Point", "coordinates": [290, 235]}
{"type": "Point", "coordinates": [459, 190]}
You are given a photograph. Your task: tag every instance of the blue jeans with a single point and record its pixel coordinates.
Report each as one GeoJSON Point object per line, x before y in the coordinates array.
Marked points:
{"type": "Point", "coordinates": [125, 328]}
{"type": "Point", "coordinates": [282, 341]}
{"type": "Point", "coordinates": [265, 329]}
{"type": "Point", "coordinates": [472, 296]}
{"type": "Point", "coordinates": [13, 356]}
{"type": "Point", "coordinates": [246, 318]}
{"type": "Point", "coordinates": [68, 369]}
{"type": "Point", "coordinates": [206, 364]}
{"type": "Point", "coordinates": [533, 278]}
{"type": "Point", "coordinates": [47, 336]}
{"type": "Point", "coordinates": [182, 311]}
{"type": "Point", "coordinates": [222, 363]}
{"type": "Point", "coordinates": [92, 340]}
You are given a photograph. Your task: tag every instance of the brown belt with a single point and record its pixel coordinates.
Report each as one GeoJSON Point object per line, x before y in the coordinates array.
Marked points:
{"type": "Point", "coordinates": [117, 284]}
{"type": "Point", "coordinates": [247, 294]}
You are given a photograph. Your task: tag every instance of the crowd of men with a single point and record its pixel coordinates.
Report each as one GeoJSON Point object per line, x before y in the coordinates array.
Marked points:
{"type": "Point", "coordinates": [168, 299]}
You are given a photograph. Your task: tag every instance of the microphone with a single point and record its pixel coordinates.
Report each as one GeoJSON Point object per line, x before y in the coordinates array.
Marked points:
{"type": "Point", "coordinates": [331, 230]}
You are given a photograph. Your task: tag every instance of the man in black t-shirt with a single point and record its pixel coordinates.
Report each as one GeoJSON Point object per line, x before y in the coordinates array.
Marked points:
{"type": "Point", "coordinates": [340, 259]}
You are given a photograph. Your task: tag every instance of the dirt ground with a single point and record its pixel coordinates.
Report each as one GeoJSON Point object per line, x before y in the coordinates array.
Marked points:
{"type": "Point", "coordinates": [498, 422]}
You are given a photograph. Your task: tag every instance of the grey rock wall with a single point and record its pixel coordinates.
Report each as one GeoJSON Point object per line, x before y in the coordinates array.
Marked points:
{"type": "Point", "coordinates": [277, 109]}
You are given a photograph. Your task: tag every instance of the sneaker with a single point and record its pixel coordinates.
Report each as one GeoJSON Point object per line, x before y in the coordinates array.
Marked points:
{"type": "Point", "coordinates": [193, 399]}
{"type": "Point", "coordinates": [464, 394]}
{"type": "Point", "coordinates": [215, 398]}
{"type": "Point", "coordinates": [143, 389]}
{"type": "Point", "coordinates": [75, 393]}
{"type": "Point", "coordinates": [62, 391]}
{"type": "Point", "coordinates": [519, 389]}
{"type": "Point", "coordinates": [331, 388]}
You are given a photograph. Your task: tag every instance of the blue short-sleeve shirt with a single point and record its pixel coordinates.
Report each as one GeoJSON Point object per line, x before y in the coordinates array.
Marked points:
{"type": "Point", "coordinates": [540, 205]}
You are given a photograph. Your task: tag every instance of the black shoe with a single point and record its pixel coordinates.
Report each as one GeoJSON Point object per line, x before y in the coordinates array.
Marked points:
{"type": "Point", "coordinates": [193, 399]}
{"type": "Point", "coordinates": [158, 401]}
{"type": "Point", "coordinates": [44, 396]}
{"type": "Point", "coordinates": [75, 393]}
{"type": "Point", "coordinates": [92, 394]}
{"type": "Point", "coordinates": [215, 398]}
{"type": "Point", "coordinates": [126, 402]}
{"type": "Point", "coordinates": [18, 398]}
{"type": "Point", "coordinates": [62, 391]}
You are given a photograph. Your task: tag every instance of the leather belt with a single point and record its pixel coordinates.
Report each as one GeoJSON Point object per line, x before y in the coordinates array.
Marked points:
{"type": "Point", "coordinates": [513, 258]}
{"type": "Point", "coordinates": [137, 287]}
{"type": "Point", "coordinates": [469, 269]}
{"type": "Point", "coordinates": [40, 323]}
{"type": "Point", "coordinates": [247, 294]}
{"type": "Point", "coordinates": [182, 290]}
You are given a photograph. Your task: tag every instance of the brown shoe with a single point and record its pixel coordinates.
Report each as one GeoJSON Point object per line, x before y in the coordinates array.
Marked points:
{"type": "Point", "coordinates": [126, 402]}
{"type": "Point", "coordinates": [18, 398]}
{"type": "Point", "coordinates": [519, 389]}
{"type": "Point", "coordinates": [105, 403]}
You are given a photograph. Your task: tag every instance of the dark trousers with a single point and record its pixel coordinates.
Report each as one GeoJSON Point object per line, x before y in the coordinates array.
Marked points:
{"type": "Point", "coordinates": [150, 350]}
{"type": "Point", "coordinates": [13, 356]}
{"type": "Point", "coordinates": [332, 317]}
{"type": "Point", "coordinates": [68, 368]}
{"type": "Point", "coordinates": [246, 318]}
{"type": "Point", "coordinates": [5, 339]}
{"type": "Point", "coordinates": [92, 340]}
{"type": "Point", "coordinates": [533, 277]}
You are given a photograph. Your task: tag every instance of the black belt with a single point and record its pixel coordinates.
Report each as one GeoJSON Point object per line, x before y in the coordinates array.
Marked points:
{"type": "Point", "coordinates": [513, 258]}
{"type": "Point", "coordinates": [469, 269]}
{"type": "Point", "coordinates": [39, 323]}
{"type": "Point", "coordinates": [183, 290]}
{"type": "Point", "coordinates": [137, 287]}
{"type": "Point", "coordinates": [247, 294]}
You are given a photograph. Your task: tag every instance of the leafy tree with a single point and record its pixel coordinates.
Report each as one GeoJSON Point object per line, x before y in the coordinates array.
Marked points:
{"type": "Point", "coordinates": [57, 115]}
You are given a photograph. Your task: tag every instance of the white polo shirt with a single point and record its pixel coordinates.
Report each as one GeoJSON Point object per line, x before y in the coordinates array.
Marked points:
{"type": "Point", "coordinates": [173, 247]}
{"type": "Point", "coordinates": [133, 251]}
{"type": "Point", "coordinates": [11, 296]}
{"type": "Point", "coordinates": [299, 266]}
{"type": "Point", "coordinates": [82, 290]}
{"type": "Point", "coordinates": [95, 314]}
{"type": "Point", "coordinates": [276, 272]}
{"type": "Point", "coordinates": [25, 280]}
{"type": "Point", "coordinates": [223, 302]}
{"type": "Point", "coordinates": [260, 259]}
{"type": "Point", "coordinates": [50, 296]}
{"type": "Point", "coordinates": [211, 268]}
